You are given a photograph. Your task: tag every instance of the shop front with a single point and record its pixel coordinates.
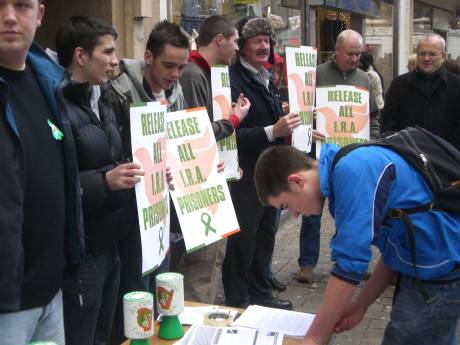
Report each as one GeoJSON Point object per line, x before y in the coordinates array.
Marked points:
{"type": "Point", "coordinates": [314, 22]}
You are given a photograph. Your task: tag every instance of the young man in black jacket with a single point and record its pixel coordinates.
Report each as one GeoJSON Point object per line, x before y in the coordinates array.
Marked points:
{"type": "Point", "coordinates": [86, 48]}
{"type": "Point", "coordinates": [40, 207]}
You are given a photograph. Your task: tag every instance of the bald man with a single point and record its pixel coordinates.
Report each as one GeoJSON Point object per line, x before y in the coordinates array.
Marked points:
{"type": "Point", "coordinates": [427, 96]}
{"type": "Point", "coordinates": [341, 69]}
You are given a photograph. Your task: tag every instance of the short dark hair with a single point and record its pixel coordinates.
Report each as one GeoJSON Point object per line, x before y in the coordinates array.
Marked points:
{"type": "Point", "coordinates": [273, 168]}
{"type": "Point", "coordinates": [213, 26]}
{"type": "Point", "coordinates": [166, 33]}
{"type": "Point", "coordinates": [80, 31]}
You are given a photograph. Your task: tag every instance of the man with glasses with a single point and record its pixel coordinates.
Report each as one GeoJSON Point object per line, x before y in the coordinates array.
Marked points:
{"type": "Point", "coordinates": [427, 96]}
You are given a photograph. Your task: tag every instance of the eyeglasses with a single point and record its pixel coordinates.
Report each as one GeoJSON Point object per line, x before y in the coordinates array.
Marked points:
{"type": "Point", "coordinates": [429, 54]}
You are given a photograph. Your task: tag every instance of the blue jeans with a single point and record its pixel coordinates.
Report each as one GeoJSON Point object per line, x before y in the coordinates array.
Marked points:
{"type": "Point", "coordinates": [37, 324]}
{"type": "Point", "coordinates": [309, 241]}
{"type": "Point", "coordinates": [413, 321]}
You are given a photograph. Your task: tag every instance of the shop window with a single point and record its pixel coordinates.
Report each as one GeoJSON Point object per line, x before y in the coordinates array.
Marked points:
{"type": "Point", "coordinates": [379, 42]}
{"type": "Point", "coordinates": [330, 23]}
{"type": "Point", "coordinates": [285, 15]}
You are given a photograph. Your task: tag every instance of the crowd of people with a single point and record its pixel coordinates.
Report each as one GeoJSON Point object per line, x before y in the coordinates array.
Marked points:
{"type": "Point", "coordinates": [70, 243]}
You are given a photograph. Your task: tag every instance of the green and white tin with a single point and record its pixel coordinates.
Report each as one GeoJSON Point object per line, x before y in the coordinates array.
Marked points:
{"type": "Point", "coordinates": [170, 293]}
{"type": "Point", "coordinates": [138, 315]}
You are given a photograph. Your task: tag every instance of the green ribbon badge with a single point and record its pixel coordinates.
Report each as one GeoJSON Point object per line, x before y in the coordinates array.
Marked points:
{"type": "Point", "coordinates": [160, 238]}
{"type": "Point", "coordinates": [55, 131]}
{"type": "Point", "coordinates": [206, 220]}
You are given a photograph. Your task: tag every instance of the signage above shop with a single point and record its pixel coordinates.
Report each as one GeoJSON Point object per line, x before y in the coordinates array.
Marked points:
{"type": "Point", "coordinates": [368, 8]}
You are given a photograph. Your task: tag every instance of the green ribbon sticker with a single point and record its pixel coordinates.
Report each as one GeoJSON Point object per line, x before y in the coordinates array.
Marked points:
{"type": "Point", "coordinates": [55, 131]}
{"type": "Point", "coordinates": [206, 220]}
{"type": "Point", "coordinates": [160, 238]}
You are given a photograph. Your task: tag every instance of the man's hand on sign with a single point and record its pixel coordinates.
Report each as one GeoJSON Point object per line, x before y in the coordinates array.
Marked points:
{"type": "Point", "coordinates": [124, 176]}
{"type": "Point", "coordinates": [241, 107]}
{"type": "Point", "coordinates": [285, 125]}
{"type": "Point", "coordinates": [169, 178]}
{"type": "Point", "coordinates": [221, 166]}
{"type": "Point", "coordinates": [318, 136]}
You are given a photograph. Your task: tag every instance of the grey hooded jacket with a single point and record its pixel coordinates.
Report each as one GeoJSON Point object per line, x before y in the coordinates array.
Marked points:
{"type": "Point", "coordinates": [129, 85]}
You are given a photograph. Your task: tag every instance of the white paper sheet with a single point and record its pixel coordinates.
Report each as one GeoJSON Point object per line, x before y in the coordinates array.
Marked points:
{"type": "Point", "coordinates": [292, 323]}
{"type": "Point", "coordinates": [206, 335]}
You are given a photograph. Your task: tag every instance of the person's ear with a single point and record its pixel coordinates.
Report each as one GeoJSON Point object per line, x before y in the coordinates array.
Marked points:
{"type": "Point", "coordinates": [148, 58]}
{"type": "Point", "coordinates": [296, 179]}
{"type": "Point", "coordinates": [219, 39]}
{"type": "Point", "coordinates": [40, 14]}
{"type": "Point", "coordinates": [80, 56]}
{"type": "Point", "coordinates": [444, 56]}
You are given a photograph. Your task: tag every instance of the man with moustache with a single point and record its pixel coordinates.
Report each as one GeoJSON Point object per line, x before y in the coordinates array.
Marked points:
{"type": "Point", "coordinates": [249, 252]}
{"type": "Point", "coordinates": [218, 42]}
{"type": "Point", "coordinates": [41, 228]}
{"type": "Point", "coordinates": [427, 96]}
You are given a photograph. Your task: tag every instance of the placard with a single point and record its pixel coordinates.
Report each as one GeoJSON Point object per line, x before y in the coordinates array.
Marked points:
{"type": "Point", "coordinates": [342, 115]}
{"type": "Point", "coordinates": [301, 71]}
{"type": "Point", "coordinates": [201, 196]}
{"type": "Point", "coordinates": [148, 140]}
{"type": "Point", "coordinates": [222, 108]}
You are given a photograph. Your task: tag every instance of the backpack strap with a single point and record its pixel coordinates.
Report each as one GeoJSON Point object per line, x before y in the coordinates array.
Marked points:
{"type": "Point", "coordinates": [397, 213]}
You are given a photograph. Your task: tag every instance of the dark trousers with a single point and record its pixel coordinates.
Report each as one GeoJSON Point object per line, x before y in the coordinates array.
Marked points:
{"type": "Point", "coordinates": [130, 251]}
{"type": "Point", "coordinates": [249, 251]}
{"type": "Point", "coordinates": [89, 297]}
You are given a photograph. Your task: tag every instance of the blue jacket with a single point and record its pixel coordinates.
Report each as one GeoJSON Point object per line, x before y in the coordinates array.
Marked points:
{"type": "Point", "coordinates": [13, 174]}
{"type": "Point", "coordinates": [265, 110]}
{"type": "Point", "coordinates": [364, 185]}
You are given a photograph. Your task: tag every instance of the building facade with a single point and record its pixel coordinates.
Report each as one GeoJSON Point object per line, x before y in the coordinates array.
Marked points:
{"type": "Point", "coordinates": [391, 28]}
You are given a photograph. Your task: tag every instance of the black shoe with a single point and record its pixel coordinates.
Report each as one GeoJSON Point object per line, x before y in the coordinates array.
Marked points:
{"type": "Point", "coordinates": [273, 302]}
{"type": "Point", "coordinates": [276, 284]}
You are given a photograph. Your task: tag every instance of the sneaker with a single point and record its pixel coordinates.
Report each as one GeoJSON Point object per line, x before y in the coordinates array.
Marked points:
{"type": "Point", "coordinates": [305, 275]}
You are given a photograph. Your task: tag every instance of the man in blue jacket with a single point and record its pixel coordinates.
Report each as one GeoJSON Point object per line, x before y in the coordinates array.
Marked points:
{"type": "Point", "coordinates": [362, 187]}
{"type": "Point", "coordinates": [40, 207]}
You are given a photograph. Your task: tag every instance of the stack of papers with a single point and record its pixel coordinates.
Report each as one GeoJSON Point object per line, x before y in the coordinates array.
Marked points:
{"type": "Point", "coordinates": [206, 335]}
{"type": "Point", "coordinates": [291, 323]}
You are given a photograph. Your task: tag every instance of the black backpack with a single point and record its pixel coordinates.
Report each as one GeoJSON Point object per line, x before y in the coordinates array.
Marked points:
{"type": "Point", "coordinates": [436, 160]}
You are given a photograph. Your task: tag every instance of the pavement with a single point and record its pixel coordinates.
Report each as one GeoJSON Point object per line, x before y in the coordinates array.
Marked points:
{"type": "Point", "coordinates": [307, 297]}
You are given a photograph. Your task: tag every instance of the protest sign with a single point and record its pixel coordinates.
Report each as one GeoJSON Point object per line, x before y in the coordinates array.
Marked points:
{"type": "Point", "coordinates": [201, 196]}
{"type": "Point", "coordinates": [301, 71]}
{"type": "Point", "coordinates": [222, 108]}
{"type": "Point", "coordinates": [148, 140]}
{"type": "Point", "coordinates": [343, 114]}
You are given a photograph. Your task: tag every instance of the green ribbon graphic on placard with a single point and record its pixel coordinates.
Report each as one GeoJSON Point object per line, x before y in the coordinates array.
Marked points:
{"type": "Point", "coordinates": [160, 237]}
{"type": "Point", "coordinates": [57, 134]}
{"type": "Point", "coordinates": [206, 220]}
